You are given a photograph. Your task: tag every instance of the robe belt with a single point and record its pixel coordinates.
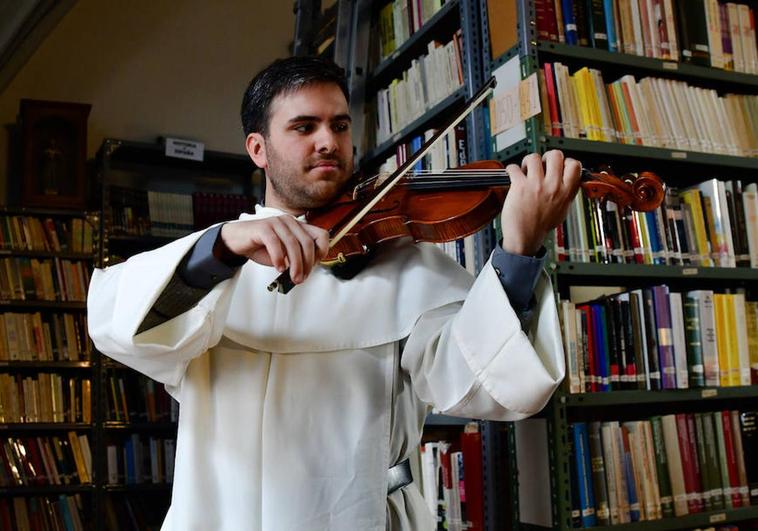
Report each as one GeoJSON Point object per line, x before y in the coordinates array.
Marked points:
{"type": "Point", "coordinates": [399, 476]}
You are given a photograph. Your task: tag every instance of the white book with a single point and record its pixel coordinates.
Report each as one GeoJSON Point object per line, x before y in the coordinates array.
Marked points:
{"type": "Point", "coordinates": [568, 322]}
{"type": "Point", "coordinates": [639, 42]}
{"type": "Point", "coordinates": [750, 206]}
{"type": "Point", "coordinates": [606, 438]}
{"type": "Point", "coordinates": [112, 457]}
{"type": "Point", "coordinates": [651, 469]}
{"type": "Point", "coordinates": [704, 299]}
{"type": "Point", "coordinates": [679, 340]}
{"type": "Point", "coordinates": [429, 475]}
{"type": "Point", "coordinates": [736, 37]}
{"type": "Point", "coordinates": [713, 23]}
{"type": "Point", "coordinates": [747, 47]}
{"type": "Point", "coordinates": [674, 459]}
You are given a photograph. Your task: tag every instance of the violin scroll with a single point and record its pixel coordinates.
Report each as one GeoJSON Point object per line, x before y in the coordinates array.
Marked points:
{"type": "Point", "coordinates": [642, 191]}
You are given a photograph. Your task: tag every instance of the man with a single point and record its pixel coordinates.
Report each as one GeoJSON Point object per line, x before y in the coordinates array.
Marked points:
{"type": "Point", "coordinates": [299, 411]}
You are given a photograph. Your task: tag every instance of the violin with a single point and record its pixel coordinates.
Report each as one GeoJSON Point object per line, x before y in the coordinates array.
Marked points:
{"type": "Point", "coordinates": [444, 206]}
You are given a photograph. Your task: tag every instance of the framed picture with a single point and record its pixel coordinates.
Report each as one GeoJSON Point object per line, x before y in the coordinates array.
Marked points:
{"type": "Point", "coordinates": [54, 146]}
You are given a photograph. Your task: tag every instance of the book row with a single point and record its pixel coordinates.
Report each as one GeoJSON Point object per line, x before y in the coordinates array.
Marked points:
{"type": "Point", "coordinates": [653, 338]}
{"type": "Point", "coordinates": [48, 397]}
{"type": "Point", "coordinates": [134, 513]}
{"type": "Point", "coordinates": [134, 398]}
{"type": "Point", "coordinates": [666, 466]}
{"type": "Point", "coordinates": [137, 212]}
{"type": "Point", "coordinates": [43, 280]}
{"type": "Point", "coordinates": [60, 513]}
{"type": "Point", "coordinates": [451, 480]}
{"type": "Point", "coordinates": [141, 460]}
{"type": "Point", "coordinates": [650, 112]}
{"type": "Point", "coordinates": [30, 233]}
{"type": "Point", "coordinates": [54, 460]}
{"type": "Point", "coordinates": [43, 337]}
{"type": "Point", "coordinates": [703, 32]}
{"type": "Point", "coordinates": [714, 223]}
{"type": "Point", "coordinates": [429, 80]}
{"type": "Point", "coordinates": [397, 21]}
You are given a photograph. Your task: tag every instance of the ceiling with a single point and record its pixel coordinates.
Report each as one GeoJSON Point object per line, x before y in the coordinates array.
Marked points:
{"type": "Point", "coordinates": [24, 24]}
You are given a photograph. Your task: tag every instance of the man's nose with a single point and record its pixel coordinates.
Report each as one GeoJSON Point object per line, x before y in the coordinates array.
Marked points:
{"type": "Point", "coordinates": [326, 140]}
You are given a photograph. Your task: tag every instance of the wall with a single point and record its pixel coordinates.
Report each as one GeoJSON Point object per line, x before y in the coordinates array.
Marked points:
{"type": "Point", "coordinates": [152, 68]}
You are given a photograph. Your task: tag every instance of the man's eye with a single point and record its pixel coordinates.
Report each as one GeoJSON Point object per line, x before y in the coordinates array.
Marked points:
{"type": "Point", "coordinates": [304, 128]}
{"type": "Point", "coordinates": [341, 126]}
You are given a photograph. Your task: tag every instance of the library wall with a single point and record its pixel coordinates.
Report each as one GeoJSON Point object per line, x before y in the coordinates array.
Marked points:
{"type": "Point", "coordinates": [153, 68]}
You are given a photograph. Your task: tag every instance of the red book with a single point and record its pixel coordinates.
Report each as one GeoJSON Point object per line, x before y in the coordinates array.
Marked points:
{"type": "Point", "coordinates": [552, 100]}
{"type": "Point", "coordinates": [692, 439]}
{"type": "Point", "coordinates": [551, 20]}
{"type": "Point", "coordinates": [688, 467]}
{"type": "Point", "coordinates": [540, 13]}
{"type": "Point", "coordinates": [731, 460]}
{"type": "Point", "coordinates": [471, 446]}
{"type": "Point", "coordinates": [591, 367]}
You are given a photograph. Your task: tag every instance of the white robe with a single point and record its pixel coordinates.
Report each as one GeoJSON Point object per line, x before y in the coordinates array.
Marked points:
{"type": "Point", "coordinates": [293, 407]}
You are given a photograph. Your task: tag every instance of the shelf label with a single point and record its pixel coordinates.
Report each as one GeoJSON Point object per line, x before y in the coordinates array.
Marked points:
{"type": "Point", "coordinates": [678, 154]}
{"type": "Point", "coordinates": [689, 271]}
{"type": "Point", "coordinates": [720, 517]}
{"type": "Point", "coordinates": [709, 393]}
{"type": "Point", "coordinates": [668, 65]}
{"type": "Point", "coordinates": [184, 149]}
{"type": "Point", "coordinates": [513, 105]}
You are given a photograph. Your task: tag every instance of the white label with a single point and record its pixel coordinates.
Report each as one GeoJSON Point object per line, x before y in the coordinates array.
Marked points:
{"type": "Point", "coordinates": [184, 149]}
{"type": "Point", "coordinates": [529, 97]}
{"type": "Point", "coordinates": [720, 517]}
{"type": "Point", "coordinates": [690, 271]}
{"type": "Point", "coordinates": [709, 393]}
{"type": "Point", "coordinates": [678, 154]}
{"type": "Point", "coordinates": [667, 65]}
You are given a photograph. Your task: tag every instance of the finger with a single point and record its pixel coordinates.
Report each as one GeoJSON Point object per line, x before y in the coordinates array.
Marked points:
{"type": "Point", "coordinates": [320, 237]}
{"type": "Point", "coordinates": [553, 161]}
{"type": "Point", "coordinates": [292, 248]}
{"type": "Point", "coordinates": [307, 245]}
{"type": "Point", "coordinates": [572, 176]}
{"type": "Point", "coordinates": [515, 174]}
{"type": "Point", "coordinates": [274, 248]}
{"type": "Point", "coordinates": [532, 166]}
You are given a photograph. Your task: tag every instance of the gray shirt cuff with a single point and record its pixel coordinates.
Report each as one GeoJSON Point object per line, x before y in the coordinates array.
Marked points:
{"type": "Point", "coordinates": [519, 275]}
{"type": "Point", "coordinates": [201, 268]}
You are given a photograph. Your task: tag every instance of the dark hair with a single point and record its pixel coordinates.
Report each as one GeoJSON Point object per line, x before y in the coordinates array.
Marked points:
{"type": "Point", "coordinates": [281, 77]}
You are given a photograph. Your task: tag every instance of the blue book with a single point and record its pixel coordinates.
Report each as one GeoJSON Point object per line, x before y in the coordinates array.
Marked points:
{"type": "Point", "coordinates": [610, 26]}
{"type": "Point", "coordinates": [656, 247]}
{"type": "Point", "coordinates": [584, 474]}
{"type": "Point", "coordinates": [68, 520]}
{"type": "Point", "coordinates": [130, 464]}
{"type": "Point", "coordinates": [601, 348]}
{"type": "Point", "coordinates": [631, 486]}
{"type": "Point", "coordinates": [416, 143]}
{"type": "Point", "coordinates": [569, 23]}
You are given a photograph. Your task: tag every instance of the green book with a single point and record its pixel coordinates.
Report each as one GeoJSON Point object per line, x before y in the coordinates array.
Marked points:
{"type": "Point", "coordinates": [662, 468]}
{"type": "Point", "coordinates": [705, 469]}
{"type": "Point", "coordinates": [723, 465]}
{"type": "Point", "coordinates": [712, 460]}
{"type": "Point", "coordinates": [694, 346]}
{"type": "Point", "coordinates": [602, 511]}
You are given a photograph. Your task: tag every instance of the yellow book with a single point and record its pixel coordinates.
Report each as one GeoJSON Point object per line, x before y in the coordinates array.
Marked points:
{"type": "Point", "coordinates": [76, 450]}
{"type": "Point", "coordinates": [731, 340]}
{"type": "Point", "coordinates": [584, 111]}
{"type": "Point", "coordinates": [691, 198]}
{"type": "Point", "coordinates": [588, 85]}
{"type": "Point", "coordinates": [751, 314]}
{"type": "Point", "coordinates": [720, 304]}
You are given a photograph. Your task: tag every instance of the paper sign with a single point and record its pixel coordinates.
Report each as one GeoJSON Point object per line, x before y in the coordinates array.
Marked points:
{"type": "Point", "coordinates": [184, 149]}
{"type": "Point", "coordinates": [529, 97]}
{"type": "Point", "coordinates": [504, 110]}
{"type": "Point", "coordinates": [516, 104]}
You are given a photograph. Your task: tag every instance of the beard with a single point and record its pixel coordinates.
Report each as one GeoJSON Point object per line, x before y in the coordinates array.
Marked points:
{"type": "Point", "coordinates": [293, 183]}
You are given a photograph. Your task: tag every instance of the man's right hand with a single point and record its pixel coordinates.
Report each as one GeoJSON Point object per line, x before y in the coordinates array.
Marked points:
{"type": "Point", "coordinates": [280, 241]}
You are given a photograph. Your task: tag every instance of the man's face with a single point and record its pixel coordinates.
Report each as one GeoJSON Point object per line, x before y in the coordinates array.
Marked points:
{"type": "Point", "coordinates": [308, 152]}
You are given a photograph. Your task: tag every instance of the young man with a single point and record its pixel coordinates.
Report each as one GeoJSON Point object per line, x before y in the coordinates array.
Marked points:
{"type": "Point", "coordinates": [299, 411]}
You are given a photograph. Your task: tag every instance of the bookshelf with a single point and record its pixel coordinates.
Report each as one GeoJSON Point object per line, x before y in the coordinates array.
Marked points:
{"type": "Point", "coordinates": [47, 371]}
{"type": "Point", "coordinates": [519, 46]}
{"type": "Point", "coordinates": [146, 198]}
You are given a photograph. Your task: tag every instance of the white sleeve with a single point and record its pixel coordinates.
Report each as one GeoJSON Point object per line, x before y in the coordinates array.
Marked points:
{"type": "Point", "coordinates": [475, 361]}
{"type": "Point", "coordinates": [121, 296]}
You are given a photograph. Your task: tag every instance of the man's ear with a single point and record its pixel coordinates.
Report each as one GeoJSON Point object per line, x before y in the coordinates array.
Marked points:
{"type": "Point", "coordinates": [256, 148]}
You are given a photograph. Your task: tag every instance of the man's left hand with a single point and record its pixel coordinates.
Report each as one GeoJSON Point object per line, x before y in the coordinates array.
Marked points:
{"type": "Point", "coordinates": [538, 200]}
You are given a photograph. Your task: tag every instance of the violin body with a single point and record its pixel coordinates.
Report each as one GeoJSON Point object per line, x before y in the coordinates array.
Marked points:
{"type": "Point", "coordinates": [411, 210]}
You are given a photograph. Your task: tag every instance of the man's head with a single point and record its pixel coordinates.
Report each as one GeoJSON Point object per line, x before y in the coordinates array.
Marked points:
{"type": "Point", "coordinates": [296, 120]}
